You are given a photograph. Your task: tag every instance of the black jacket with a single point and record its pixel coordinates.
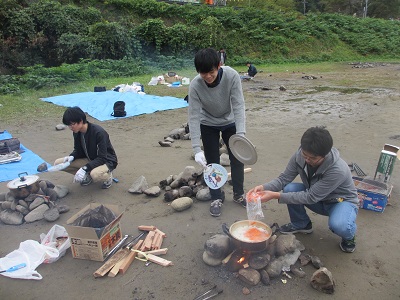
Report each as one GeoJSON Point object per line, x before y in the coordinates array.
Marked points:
{"type": "Point", "coordinates": [252, 71]}
{"type": "Point", "coordinates": [98, 145]}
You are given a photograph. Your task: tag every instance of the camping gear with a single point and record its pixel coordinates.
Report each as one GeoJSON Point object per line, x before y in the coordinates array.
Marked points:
{"type": "Point", "coordinates": [215, 176]}
{"type": "Point", "coordinates": [99, 89]}
{"type": "Point", "coordinates": [258, 231]}
{"type": "Point", "coordinates": [243, 149]}
{"type": "Point", "coordinates": [59, 167]}
{"type": "Point", "coordinates": [10, 145]}
{"type": "Point", "coordinates": [10, 157]}
{"type": "Point", "coordinates": [119, 109]}
{"type": "Point", "coordinates": [23, 186]}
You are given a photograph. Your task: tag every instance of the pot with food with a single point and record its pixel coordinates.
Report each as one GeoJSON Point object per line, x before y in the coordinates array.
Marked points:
{"type": "Point", "coordinates": [24, 185]}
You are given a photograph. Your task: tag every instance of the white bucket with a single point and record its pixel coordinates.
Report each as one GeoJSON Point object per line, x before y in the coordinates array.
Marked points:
{"type": "Point", "coordinates": [185, 81]}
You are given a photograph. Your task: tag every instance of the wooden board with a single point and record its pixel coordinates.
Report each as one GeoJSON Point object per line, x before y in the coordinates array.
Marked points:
{"type": "Point", "coordinates": [103, 270]}
{"type": "Point", "coordinates": [127, 261]}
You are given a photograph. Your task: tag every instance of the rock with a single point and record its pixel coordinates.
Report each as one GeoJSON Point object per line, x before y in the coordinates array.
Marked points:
{"type": "Point", "coordinates": [10, 197]}
{"type": "Point", "coordinates": [188, 173]}
{"type": "Point", "coordinates": [153, 191]}
{"type": "Point", "coordinates": [11, 217]}
{"type": "Point", "coordinates": [62, 208]}
{"type": "Point", "coordinates": [185, 191]}
{"type": "Point", "coordinates": [224, 160]}
{"type": "Point", "coordinates": [304, 259]}
{"type": "Point", "coordinates": [265, 277]}
{"type": "Point", "coordinates": [182, 203]}
{"type": "Point", "coordinates": [274, 268]}
{"type": "Point", "coordinates": [49, 184]}
{"type": "Point", "coordinates": [36, 214]}
{"type": "Point", "coordinates": [249, 276]}
{"type": "Point", "coordinates": [317, 263]}
{"type": "Point", "coordinates": [245, 291]}
{"type": "Point", "coordinates": [164, 143]}
{"type": "Point", "coordinates": [52, 194]}
{"type": "Point", "coordinates": [3, 197]}
{"type": "Point", "coordinates": [289, 259]}
{"type": "Point", "coordinates": [23, 203]}
{"type": "Point", "coordinates": [211, 261]}
{"type": "Point", "coordinates": [285, 243]}
{"type": "Point", "coordinates": [51, 214]}
{"type": "Point", "coordinates": [14, 204]}
{"type": "Point", "coordinates": [322, 280]}
{"type": "Point", "coordinates": [217, 246]}
{"type": "Point", "coordinates": [23, 210]}
{"type": "Point", "coordinates": [37, 202]}
{"type": "Point", "coordinates": [282, 88]}
{"type": "Point", "coordinates": [259, 260]}
{"type": "Point", "coordinates": [61, 190]}
{"type": "Point", "coordinates": [42, 167]}
{"type": "Point", "coordinates": [171, 195]}
{"type": "Point", "coordinates": [6, 205]}
{"type": "Point", "coordinates": [60, 127]}
{"type": "Point", "coordinates": [297, 272]}
{"type": "Point", "coordinates": [169, 139]}
{"type": "Point", "coordinates": [203, 194]}
{"type": "Point", "coordinates": [177, 181]}
{"type": "Point", "coordinates": [43, 185]}
{"type": "Point", "coordinates": [139, 186]}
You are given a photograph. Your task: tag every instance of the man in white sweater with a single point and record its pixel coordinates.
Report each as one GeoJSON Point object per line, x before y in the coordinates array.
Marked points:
{"type": "Point", "coordinates": [216, 108]}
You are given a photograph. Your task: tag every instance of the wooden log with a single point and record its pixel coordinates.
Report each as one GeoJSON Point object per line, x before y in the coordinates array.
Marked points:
{"type": "Point", "coordinates": [158, 260]}
{"type": "Point", "coordinates": [154, 252]}
{"type": "Point", "coordinates": [114, 271]}
{"type": "Point", "coordinates": [158, 243]}
{"type": "Point", "coordinates": [160, 232]}
{"type": "Point", "coordinates": [129, 258]}
{"type": "Point", "coordinates": [148, 241]}
{"type": "Point", "coordinates": [109, 264]}
{"type": "Point", "coordinates": [146, 227]}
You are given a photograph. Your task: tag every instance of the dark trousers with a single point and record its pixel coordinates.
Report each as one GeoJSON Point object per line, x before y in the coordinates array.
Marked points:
{"type": "Point", "coordinates": [210, 136]}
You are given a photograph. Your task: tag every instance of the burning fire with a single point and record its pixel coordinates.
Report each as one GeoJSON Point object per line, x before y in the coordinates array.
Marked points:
{"type": "Point", "coordinates": [241, 260]}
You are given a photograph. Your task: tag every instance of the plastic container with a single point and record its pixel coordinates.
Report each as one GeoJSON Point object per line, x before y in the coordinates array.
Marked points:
{"type": "Point", "coordinates": [253, 207]}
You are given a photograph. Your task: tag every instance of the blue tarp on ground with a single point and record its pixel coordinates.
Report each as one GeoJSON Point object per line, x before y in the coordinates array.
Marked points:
{"type": "Point", "coordinates": [29, 162]}
{"type": "Point", "coordinates": [100, 104]}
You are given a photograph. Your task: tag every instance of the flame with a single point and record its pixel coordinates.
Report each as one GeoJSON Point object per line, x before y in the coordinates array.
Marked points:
{"type": "Point", "coordinates": [241, 260]}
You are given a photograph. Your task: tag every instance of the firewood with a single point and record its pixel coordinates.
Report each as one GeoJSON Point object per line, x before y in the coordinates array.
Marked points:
{"type": "Point", "coordinates": [147, 228]}
{"type": "Point", "coordinates": [129, 258]}
{"type": "Point", "coordinates": [160, 232]}
{"type": "Point", "coordinates": [154, 252]}
{"type": "Point", "coordinates": [103, 270]}
{"type": "Point", "coordinates": [158, 260]}
{"type": "Point", "coordinates": [148, 241]}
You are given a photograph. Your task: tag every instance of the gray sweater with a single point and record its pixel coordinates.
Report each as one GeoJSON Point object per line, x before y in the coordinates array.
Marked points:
{"type": "Point", "coordinates": [331, 183]}
{"type": "Point", "coordinates": [216, 106]}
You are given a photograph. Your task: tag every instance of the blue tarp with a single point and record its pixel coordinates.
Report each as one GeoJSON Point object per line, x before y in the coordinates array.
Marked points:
{"type": "Point", "coordinates": [29, 163]}
{"type": "Point", "coordinates": [100, 104]}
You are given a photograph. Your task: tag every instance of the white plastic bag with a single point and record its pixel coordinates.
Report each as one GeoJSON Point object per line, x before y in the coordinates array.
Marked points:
{"type": "Point", "coordinates": [57, 238]}
{"type": "Point", "coordinates": [253, 207]}
{"type": "Point", "coordinates": [32, 254]}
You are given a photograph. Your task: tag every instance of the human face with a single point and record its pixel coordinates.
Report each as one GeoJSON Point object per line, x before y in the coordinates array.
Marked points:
{"type": "Point", "coordinates": [76, 127]}
{"type": "Point", "coordinates": [210, 77]}
{"type": "Point", "coordinates": [312, 160]}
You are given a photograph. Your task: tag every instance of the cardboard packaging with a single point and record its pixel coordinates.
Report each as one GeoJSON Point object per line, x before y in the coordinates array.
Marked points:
{"type": "Point", "coordinates": [386, 162]}
{"type": "Point", "coordinates": [94, 243]}
{"type": "Point", "coordinates": [373, 195]}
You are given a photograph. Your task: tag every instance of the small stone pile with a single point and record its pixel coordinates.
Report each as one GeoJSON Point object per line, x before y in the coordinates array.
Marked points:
{"type": "Point", "coordinates": [283, 258]}
{"type": "Point", "coordinates": [34, 207]}
{"type": "Point", "coordinates": [181, 133]}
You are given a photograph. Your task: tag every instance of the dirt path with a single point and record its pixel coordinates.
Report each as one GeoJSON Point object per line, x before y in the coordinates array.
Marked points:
{"type": "Point", "coordinates": [360, 107]}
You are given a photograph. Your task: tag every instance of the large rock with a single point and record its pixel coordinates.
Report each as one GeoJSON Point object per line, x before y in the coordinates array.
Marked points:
{"type": "Point", "coordinates": [203, 194]}
{"type": "Point", "coordinates": [182, 203]}
{"type": "Point", "coordinates": [61, 191]}
{"type": "Point", "coordinates": [139, 185]}
{"type": "Point", "coordinates": [153, 191]}
{"type": "Point", "coordinates": [249, 276]}
{"type": "Point", "coordinates": [11, 217]}
{"type": "Point", "coordinates": [322, 280]}
{"type": "Point", "coordinates": [36, 214]}
{"type": "Point", "coordinates": [211, 261]}
{"type": "Point", "coordinates": [217, 246]}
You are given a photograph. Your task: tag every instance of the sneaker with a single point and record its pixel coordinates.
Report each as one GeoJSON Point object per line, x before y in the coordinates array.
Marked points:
{"type": "Point", "coordinates": [107, 184]}
{"type": "Point", "coordinates": [87, 180]}
{"type": "Point", "coordinates": [215, 209]}
{"type": "Point", "coordinates": [289, 228]}
{"type": "Point", "coordinates": [240, 199]}
{"type": "Point", "coordinates": [348, 246]}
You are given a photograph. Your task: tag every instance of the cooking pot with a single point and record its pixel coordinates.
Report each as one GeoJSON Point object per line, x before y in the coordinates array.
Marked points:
{"type": "Point", "coordinates": [258, 240]}
{"type": "Point", "coordinates": [23, 186]}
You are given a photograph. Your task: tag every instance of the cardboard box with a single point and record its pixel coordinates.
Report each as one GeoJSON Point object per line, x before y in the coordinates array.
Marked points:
{"type": "Point", "coordinates": [386, 162]}
{"type": "Point", "coordinates": [94, 243]}
{"type": "Point", "coordinates": [373, 195]}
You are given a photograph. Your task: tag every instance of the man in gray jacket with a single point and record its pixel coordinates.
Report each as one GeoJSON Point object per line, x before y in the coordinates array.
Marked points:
{"type": "Point", "coordinates": [327, 188]}
{"type": "Point", "coordinates": [216, 108]}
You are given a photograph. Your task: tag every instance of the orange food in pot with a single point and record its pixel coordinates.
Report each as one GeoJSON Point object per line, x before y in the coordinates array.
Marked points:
{"type": "Point", "coordinates": [256, 235]}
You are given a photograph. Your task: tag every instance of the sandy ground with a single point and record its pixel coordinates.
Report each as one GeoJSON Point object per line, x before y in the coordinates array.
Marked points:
{"type": "Point", "coordinates": [360, 107]}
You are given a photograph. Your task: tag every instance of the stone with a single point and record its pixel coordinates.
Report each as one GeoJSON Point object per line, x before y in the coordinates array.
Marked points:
{"type": "Point", "coordinates": [43, 184]}
{"type": "Point", "coordinates": [23, 210]}
{"type": "Point", "coordinates": [60, 127]}
{"type": "Point", "coordinates": [51, 214]}
{"type": "Point", "coordinates": [297, 271]}
{"type": "Point", "coordinates": [6, 205]}
{"type": "Point", "coordinates": [182, 203]}
{"type": "Point", "coordinates": [11, 217]}
{"type": "Point", "coordinates": [61, 190]}
{"type": "Point", "coordinates": [164, 143]}
{"type": "Point", "coordinates": [3, 197]}
{"type": "Point", "coordinates": [188, 174]}
{"type": "Point", "coordinates": [42, 167]}
{"type": "Point", "coordinates": [139, 185]}
{"type": "Point", "coordinates": [217, 246]}
{"type": "Point", "coordinates": [203, 194]}
{"type": "Point", "coordinates": [171, 195]}
{"type": "Point", "coordinates": [49, 184]}
{"type": "Point", "coordinates": [169, 139]}
{"type": "Point", "coordinates": [259, 260]}
{"type": "Point", "coordinates": [250, 276]}
{"type": "Point", "coordinates": [211, 261]}
{"type": "Point", "coordinates": [36, 214]}
{"type": "Point", "coordinates": [304, 259]}
{"type": "Point", "coordinates": [52, 194]}
{"type": "Point", "coordinates": [224, 160]}
{"type": "Point", "coordinates": [265, 277]}
{"type": "Point", "coordinates": [245, 291]}
{"type": "Point", "coordinates": [316, 262]}
{"type": "Point", "coordinates": [274, 268]}
{"type": "Point", "coordinates": [9, 197]}
{"type": "Point", "coordinates": [322, 280]}
{"type": "Point", "coordinates": [185, 191]}
{"type": "Point", "coordinates": [35, 203]}
{"type": "Point", "coordinates": [62, 208]}
{"type": "Point", "coordinates": [153, 191]}
{"type": "Point", "coordinates": [23, 203]}
{"type": "Point", "coordinates": [285, 243]}
{"type": "Point", "coordinates": [289, 259]}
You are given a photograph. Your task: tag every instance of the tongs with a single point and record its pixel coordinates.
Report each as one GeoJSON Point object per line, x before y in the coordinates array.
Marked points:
{"type": "Point", "coordinates": [216, 293]}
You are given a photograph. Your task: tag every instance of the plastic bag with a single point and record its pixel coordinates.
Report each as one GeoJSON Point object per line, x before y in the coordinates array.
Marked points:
{"type": "Point", "coordinates": [57, 238]}
{"type": "Point", "coordinates": [32, 254]}
{"type": "Point", "coordinates": [253, 207]}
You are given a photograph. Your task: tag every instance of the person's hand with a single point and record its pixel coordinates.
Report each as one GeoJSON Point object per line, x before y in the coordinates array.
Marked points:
{"type": "Point", "coordinates": [256, 189]}
{"type": "Point", "coordinates": [68, 159]}
{"type": "Point", "coordinates": [240, 133]}
{"type": "Point", "coordinates": [80, 175]}
{"type": "Point", "coordinates": [200, 159]}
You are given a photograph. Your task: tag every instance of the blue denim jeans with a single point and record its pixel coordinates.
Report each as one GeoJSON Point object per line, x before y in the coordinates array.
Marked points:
{"type": "Point", "coordinates": [342, 215]}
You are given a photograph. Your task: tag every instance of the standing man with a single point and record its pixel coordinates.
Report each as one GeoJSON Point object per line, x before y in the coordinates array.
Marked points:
{"type": "Point", "coordinates": [222, 54]}
{"type": "Point", "coordinates": [327, 188]}
{"type": "Point", "coordinates": [93, 157]}
{"type": "Point", "coordinates": [216, 107]}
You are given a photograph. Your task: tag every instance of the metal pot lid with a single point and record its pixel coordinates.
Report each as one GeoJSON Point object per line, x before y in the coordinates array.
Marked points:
{"type": "Point", "coordinates": [243, 149]}
{"type": "Point", "coordinates": [22, 181]}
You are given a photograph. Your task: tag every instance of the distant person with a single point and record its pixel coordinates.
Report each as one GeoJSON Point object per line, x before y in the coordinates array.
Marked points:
{"type": "Point", "coordinates": [216, 108]}
{"type": "Point", "coordinates": [327, 188]}
{"type": "Point", "coordinates": [222, 54]}
{"type": "Point", "coordinates": [93, 158]}
{"type": "Point", "coordinates": [252, 71]}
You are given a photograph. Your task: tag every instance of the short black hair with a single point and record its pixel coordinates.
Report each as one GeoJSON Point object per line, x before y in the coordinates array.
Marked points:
{"type": "Point", "coordinates": [317, 141]}
{"type": "Point", "coordinates": [74, 115]}
{"type": "Point", "coordinates": [206, 60]}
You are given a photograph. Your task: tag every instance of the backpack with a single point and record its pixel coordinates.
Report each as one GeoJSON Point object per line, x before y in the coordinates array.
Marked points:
{"type": "Point", "coordinates": [119, 109]}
